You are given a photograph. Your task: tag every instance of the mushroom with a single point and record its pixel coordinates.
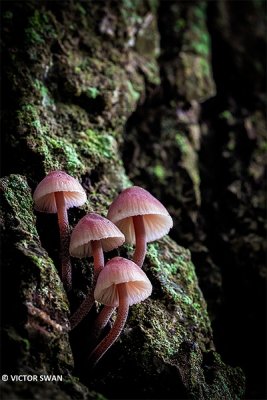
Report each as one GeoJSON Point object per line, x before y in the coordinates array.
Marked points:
{"type": "Point", "coordinates": [56, 193]}
{"type": "Point", "coordinates": [91, 236]}
{"type": "Point", "coordinates": [120, 284]}
{"type": "Point", "coordinates": [141, 217]}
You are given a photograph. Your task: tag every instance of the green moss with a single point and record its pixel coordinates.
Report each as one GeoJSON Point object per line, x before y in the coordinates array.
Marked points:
{"type": "Point", "coordinates": [182, 143]}
{"type": "Point", "coordinates": [93, 92]}
{"type": "Point", "coordinates": [98, 144]}
{"type": "Point", "coordinates": [190, 162]}
{"type": "Point", "coordinates": [232, 141]}
{"type": "Point", "coordinates": [132, 92]}
{"type": "Point", "coordinates": [160, 336]}
{"type": "Point", "coordinates": [21, 219]}
{"type": "Point", "coordinates": [56, 152]}
{"type": "Point", "coordinates": [154, 5]}
{"type": "Point", "coordinates": [159, 172]}
{"type": "Point", "coordinates": [44, 93]}
{"type": "Point", "coordinates": [61, 148]}
{"type": "Point", "coordinates": [153, 75]}
{"type": "Point", "coordinates": [63, 153]}
{"type": "Point", "coordinates": [194, 74]}
{"type": "Point", "coordinates": [197, 38]}
{"type": "Point", "coordinates": [175, 274]}
{"type": "Point", "coordinates": [201, 48]}
{"type": "Point", "coordinates": [228, 116]}
{"type": "Point", "coordinates": [39, 28]}
{"type": "Point", "coordinates": [205, 67]}
{"type": "Point", "coordinates": [170, 268]}
{"type": "Point", "coordinates": [129, 10]}
{"type": "Point", "coordinates": [37, 136]}
{"type": "Point", "coordinates": [200, 10]}
{"type": "Point", "coordinates": [28, 114]}
{"type": "Point", "coordinates": [18, 196]}
{"type": "Point", "coordinates": [263, 147]}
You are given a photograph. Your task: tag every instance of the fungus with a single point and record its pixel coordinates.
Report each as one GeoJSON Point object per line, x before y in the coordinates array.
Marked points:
{"type": "Point", "coordinates": [91, 236]}
{"type": "Point", "coordinates": [141, 217]}
{"type": "Point", "coordinates": [120, 284]}
{"type": "Point", "coordinates": [56, 193]}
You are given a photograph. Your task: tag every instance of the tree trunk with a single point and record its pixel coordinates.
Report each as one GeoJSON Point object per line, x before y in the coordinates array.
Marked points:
{"type": "Point", "coordinates": [115, 94]}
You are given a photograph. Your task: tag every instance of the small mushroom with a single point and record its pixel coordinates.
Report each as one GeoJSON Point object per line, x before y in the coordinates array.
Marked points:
{"type": "Point", "coordinates": [141, 217]}
{"type": "Point", "coordinates": [120, 284]}
{"type": "Point", "coordinates": [91, 236]}
{"type": "Point", "coordinates": [56, 193]}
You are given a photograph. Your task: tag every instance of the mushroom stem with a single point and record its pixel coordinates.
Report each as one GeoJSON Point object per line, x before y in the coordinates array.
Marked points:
{"type": "Point", "coordinates": [98, 255]}
{"type": "Point", "coordinates": [140, 240]}
{"type": "Point", "coordinates": [83, 310]}
{"type": "Point", "coordinates": [101, 321]}
{"type": "Point", "coordinates": [117, 328]}
{"type": "Point", "coordinates": [63, 224]}
{"type": "Point", "coordinates": [89, 300]}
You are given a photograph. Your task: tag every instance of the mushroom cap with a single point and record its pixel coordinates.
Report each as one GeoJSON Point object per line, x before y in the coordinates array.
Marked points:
{"type": "Point", "coordinates": [120, 270]}
{"type": "Point", "coordinates": [94, 227]}
{"type": "Point", "coordinates": [58, 181]}
{"type": "Point", "coordinates": [138, 201]}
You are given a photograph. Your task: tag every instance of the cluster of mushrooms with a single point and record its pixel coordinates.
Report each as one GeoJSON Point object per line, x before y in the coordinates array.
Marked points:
{"type": "Point", "coordinates": [134, 217]}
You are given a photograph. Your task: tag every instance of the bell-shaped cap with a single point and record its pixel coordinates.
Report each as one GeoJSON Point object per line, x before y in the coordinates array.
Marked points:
{"type": "Point", "coordinates": [94, 227]}
{"type": "Point", "coordinates": [120, 270]}
{"type": "Point", "coordinates": [138, 201]}
{"type": "Point", "coordinates": [58, 181]}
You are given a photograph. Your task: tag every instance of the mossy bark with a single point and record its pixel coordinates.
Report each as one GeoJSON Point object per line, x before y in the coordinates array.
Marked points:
{"type": "Point", "coordinates": [75, 75]}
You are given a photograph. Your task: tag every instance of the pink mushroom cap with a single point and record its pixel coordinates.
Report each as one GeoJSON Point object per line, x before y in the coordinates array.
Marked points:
{"type": "Point", "coordinates": [138, 201]}
{"type": "Point", "coordinates": [58, 181]}
{"type": "Point", "coordinates": [120, 270]}
{"type": "Point", "coordinates": [94, 227]}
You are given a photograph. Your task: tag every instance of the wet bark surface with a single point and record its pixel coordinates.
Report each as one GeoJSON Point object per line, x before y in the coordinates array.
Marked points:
{"type": "Point", "coordinates": [165, 95]}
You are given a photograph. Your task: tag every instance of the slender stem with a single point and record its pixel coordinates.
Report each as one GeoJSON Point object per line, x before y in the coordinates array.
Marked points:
{"type": "Point", "coordinates": [89, 300]}
{"type": "Point", "coordinates": [98, 255]}
{"type": "Point", "coordinates": [140, 240]}
{"type": "Point", "coordinates": [101, 321]}
{"type": "Point", "coordinates": [83, 309]}
{"type": "Point", "coordinates": [63, 224]}
{"type": "Point", "coordinates": [117, 328]}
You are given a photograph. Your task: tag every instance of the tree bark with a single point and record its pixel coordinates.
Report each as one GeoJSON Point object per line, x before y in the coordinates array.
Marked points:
{"type": "Point", "coordinates": [111, 93]}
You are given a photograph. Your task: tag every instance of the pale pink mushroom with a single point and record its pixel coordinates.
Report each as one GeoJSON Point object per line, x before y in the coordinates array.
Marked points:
{"type": "Point", "coordinates": [91, 236]}
{"type": "Point", "coordinates": [141, 217]}
{"type": "Point", "coordinates": [120, 284]}
{"type": "Point", "coordinates": [56, 193]}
